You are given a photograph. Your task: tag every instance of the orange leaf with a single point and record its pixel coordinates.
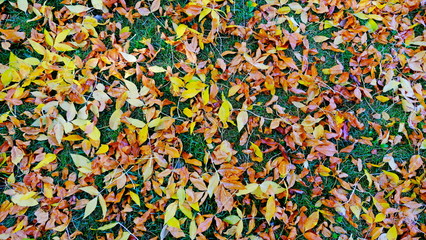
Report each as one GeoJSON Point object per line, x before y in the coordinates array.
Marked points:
{"type": "Point", "coordinates": [415, 163]}
{"type": "Point", "coordinates": [312, 221]}
{"type": "Point", "coordinates": [202, 227]}
{"type": "Point", "coordinates": [311, 236]}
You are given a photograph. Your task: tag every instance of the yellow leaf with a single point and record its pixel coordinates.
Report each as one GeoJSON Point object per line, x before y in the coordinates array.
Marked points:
{"type": "Point", "coordinates": [63, 47]}
{"type": "Point", "coordinates": [283, 10]}
{"type": "Point", "coordinates": [311, 221]}
{"type": "Point", "coordinates": [95, 134]}
{"type": "Point", "coordinates": [320, 39]}
{"type": "Point", "coordinates": [128, 57]}
{"type": "Point", "coordinates": [4, 117]}
{"type": "Point", "coordinates": [180, 30]}
{"type": "Point", "coordinates": [242, 120]}
{"type": "Point", "coordinates": [324, 171]}
{"type": "Point", "coordinates": [270, 209]}
{"type": "Point", "coordinates": [17, 155]}
{"type": "Point", "coordinates": [392, 85]}
{"type": "Point", "coordinates": [136, 122]}
{"type": "Point", "coordinates": [61, 36]}
{"type": "Point", "coordinates": [97, 4]}
{"type": "Point", "coordinates": [257, 152]}
{"type": "Point", "coordinates": [23, 5]}
{"type": "Point", "coordinates": [133, 89]}
{"type": "Point", "coordinates": [190, 93]}
{"type": "Point", "coordinates": [213, 183]}
{"type": "Point", "coordinates": [225, 110]}
{"type": "Point", "coordinates": [90, 190]}
{"type": "Point", "coordinates": [102, 202]}
{"type": "Point", "coordinates": [37, 47]}
{"type": "Point", "coordinates": [50, 157]}
{"type": "Point", "coordinates": [8, 76]}
{"type": "Point", "coordinates": [382, 98]}
{"type": "Point", "coordinates": [394, 178]}
{"type": "Point", "coordinates": [188, 112]}
{"type": "Point", "coordinates": [215, 16]}
{"type": "Point", "coordinates": [361, 15]}
{"type": "Point", "coordinates": [156, 69]}
{"type": "Point", "coordinates": [143, 134]}
{"type": "Point", "coordinates": [48, 38]}
{"type": "Point", "coordinates": [170, 211]}
{"type": "Point", "coordinates": [186, 209]}
{"type": "Point", "coordinates": [135, 102]}
{"type": "Point", "coordinates": [192, 230]}
{"type": "Point", "coordinates": [249, 188]}
{"type": "Point", "coordinates": [173, 222]}
{"type": "Point", "coordinates": [369, 177]}
{"type": "Point", "coordinates": [107, 226]}
{"type": "Point", "coordinates": [147, 169]}
{"type": "Point", "coordinates": [90, 207]}
{"type": "Point", "coordinates": [205, 96]}
{"type": "Point", "coordinates": [11, 179]}
{"type": "Point", "coordinates": [82, 163]}
{"type": "Point", "coordinates": [73, 138]}
{"type": "Point", "coordinates": [103, 149]}
{"type": "Point", "coordinates": [423, 146]}
{"type": "Point", "coordinates": [76, 9]}
{"type": "Point", "coordinates": [392, 233]}
{"type": "Point", "coordinates": [25, 200]}
{"type": "Point", "coordinates": [204, 13]}
{"type": "Point", "coordinates": [135, 198]}
{"type": "Point", "coordinates": [114, 121]}
{"type": "Point", "coordinates": [379, 217]}
{"type": "Point", "coordinates": [356, 210]}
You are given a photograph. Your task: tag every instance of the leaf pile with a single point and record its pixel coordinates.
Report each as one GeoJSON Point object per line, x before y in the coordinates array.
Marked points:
{"type": "Point", "coordinates": [208, 119]}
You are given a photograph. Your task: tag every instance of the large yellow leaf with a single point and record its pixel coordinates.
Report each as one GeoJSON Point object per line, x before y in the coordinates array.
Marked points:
{"type": "Point", "coordinates": [392, 233]}
{"type": "Point", "coordinates": [173, 222]}
{"type": "Point", "coordinates": [107, 226]}
{"type": "Point", "coordinates": [50, 157]}
{"type": "Point", "coordinates": [257, 152]}
{"type": "Point", "coordinates": [393, 176]}
{"type": "Point", "coordinates": [135, 198]}
{"type": "Point", "coordinates": [156, 69]}
{"type": "Point", "coordinates": [225, 110]}
{"type": "Point", "coordinates": [249, 189]}
{"type": "Point", "coordinates": [312, 221]}
{"type": "Point", "coordinates": [128, 57]}
{"type": "Point", "coordinates": [90, 190]}
{"type": "Point", "coordinates": [213, 183]}
{"type": "Point", "coordinates": [82, 163]}
{"type": "Point", "coordinates": [23, 5]}
{"type": "Point", "coordinates": [25, 200]}
{"type": "Point", "coordinates": [242, 119]}
{"type": "Point", "coordinates": [90, 207]}
{"type": "Point", "coordinates": [63, 47]}
{"type": "Point", "coordinates": [76, 9]}
{"type": "Point", "coordinates": [270, 209]}
{"type": "Point", "coordinates": [114, 121]}
{"type": "Point", "coordinates": [192, 230]}
{"type": "Point", "coordinates": [37, 47]}
{"type": "Point", "coordinates": [61, 36]}
{"type": "Point", "coordinates": [170, 211]}
{"type": "Point", "coordinates": [180, 30]}
{"type": "Point", "coordinates": [97, 4]}
{"type": "Point", "coordinates": [102, 202]}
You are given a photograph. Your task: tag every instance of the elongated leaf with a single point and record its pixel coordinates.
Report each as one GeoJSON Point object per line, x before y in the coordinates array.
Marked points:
{"type": "Point", "coordinates": [90, 207]}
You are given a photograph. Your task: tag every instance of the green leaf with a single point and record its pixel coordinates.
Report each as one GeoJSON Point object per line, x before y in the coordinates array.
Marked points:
{"type": "Point", "coordinates": [372, 25]}
{"type": "Point", "coordinates": [232, 219]}
{"type": "Point", "coordinates": [107, 226]}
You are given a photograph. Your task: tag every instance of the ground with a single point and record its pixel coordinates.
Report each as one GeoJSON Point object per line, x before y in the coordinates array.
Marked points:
{"type": "Point", "coordinates": [210, 119]}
